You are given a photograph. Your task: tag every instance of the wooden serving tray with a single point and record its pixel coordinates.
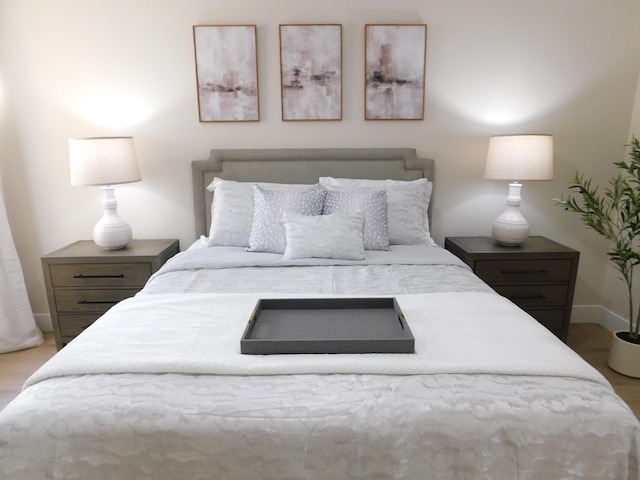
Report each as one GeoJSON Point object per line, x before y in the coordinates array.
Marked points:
{"type": "Point", "coordinates": [327, 325]}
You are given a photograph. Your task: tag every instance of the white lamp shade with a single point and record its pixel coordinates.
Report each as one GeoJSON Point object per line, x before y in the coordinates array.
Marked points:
{"type": "Point", "coordinates": [520, 157]}
{"type": "Point", "coordinates": [103, 161]}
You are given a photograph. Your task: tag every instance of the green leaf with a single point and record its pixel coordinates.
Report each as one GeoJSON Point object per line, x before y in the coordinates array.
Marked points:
{"type": "Point", "coordinates": [613, 214]}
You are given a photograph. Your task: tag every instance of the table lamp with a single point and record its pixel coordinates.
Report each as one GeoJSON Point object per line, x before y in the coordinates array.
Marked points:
{"type": "Point", "coordinates": [517, 157]}
{"type": "Point", "coordinates": [105, 161]}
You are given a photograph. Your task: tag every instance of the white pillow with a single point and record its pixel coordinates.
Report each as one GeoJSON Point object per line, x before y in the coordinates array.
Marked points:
{"type": "Point", "coordinates": [407, 207]}
{"type": "Point", "coordinates": [338, 235]}
{"type": "Point", "coordinates": [373, 203]}
{"type": "Point", "coordinates": [267, 229]}
{"type": "Point", "coordinates": [232, 210]}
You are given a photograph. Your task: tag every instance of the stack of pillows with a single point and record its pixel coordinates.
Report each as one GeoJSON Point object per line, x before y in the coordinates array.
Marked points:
{"type": "Point", "coordinates": [336, 218]}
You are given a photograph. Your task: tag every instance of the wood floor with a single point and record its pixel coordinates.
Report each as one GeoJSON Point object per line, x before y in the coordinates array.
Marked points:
{"type": "Point", "coordinates": [589, 340]}
{"type": "Point", "coordinates": [16, 367]}
{"type": "Point", "coordinates": [592, 342]}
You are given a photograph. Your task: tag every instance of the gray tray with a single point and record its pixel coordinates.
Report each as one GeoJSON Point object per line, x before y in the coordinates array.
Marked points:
{"type": "Point", "coordinates": [327, 325]}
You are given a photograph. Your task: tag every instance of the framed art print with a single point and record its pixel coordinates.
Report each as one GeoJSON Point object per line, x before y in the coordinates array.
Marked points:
{"type": "Point", "coordinates": [311, 72]}
{"type": "Point", "coordinates": [395, 71]}
{"type": "Point", "coordinates": [227, 73]}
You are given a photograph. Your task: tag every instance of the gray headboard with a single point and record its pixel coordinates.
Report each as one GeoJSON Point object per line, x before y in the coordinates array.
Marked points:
{"type": "Point", "coordinates": [300, 166]}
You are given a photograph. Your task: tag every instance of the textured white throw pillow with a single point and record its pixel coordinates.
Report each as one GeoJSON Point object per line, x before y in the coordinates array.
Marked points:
{"type": "Point", "coordinates": [407, 206]}
{"type": "Point", "coordinates": [338, 235]}
{"type": "Point", "coordinates": [267, 229]}
{"type": "Point", "coordinates": [232, 210]}
{"type": "Point", "coordinates": [373, 203]}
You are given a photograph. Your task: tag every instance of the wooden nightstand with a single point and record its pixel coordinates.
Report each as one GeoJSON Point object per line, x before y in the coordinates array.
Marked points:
{"type": "Point", "coordinates": [83, 281]}
{"type": "Point", "coordinates": [539, 275]}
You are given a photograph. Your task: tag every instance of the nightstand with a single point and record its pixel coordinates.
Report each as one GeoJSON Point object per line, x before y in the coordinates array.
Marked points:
{"type": "Point", "coordinates": [539, 276]}
{"type": "Point", "coordinates": [83, 281]}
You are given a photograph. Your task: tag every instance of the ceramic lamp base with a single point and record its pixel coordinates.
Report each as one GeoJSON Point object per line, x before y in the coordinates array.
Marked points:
{"type": "Point", "coordinates": [511, 228]}
{"type": "Point", "coordinates": [111, 232]}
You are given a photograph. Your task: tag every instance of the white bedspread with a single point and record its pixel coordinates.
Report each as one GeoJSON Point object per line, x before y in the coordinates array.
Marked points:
{"type": "Point", "coordinates": [232, 257]}
{"type": "Point", "coordinates": [157, 388]}
{"type": "Point", "coordinates": [200, 334]}
{"type": "Point", "coordinates": [404, 269]}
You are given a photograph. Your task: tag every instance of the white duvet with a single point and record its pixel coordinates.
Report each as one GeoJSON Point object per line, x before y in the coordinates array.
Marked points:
{"type": "Point", "coordinates": [200, 334]}
{"type": "Point", "coordinates": [157, 389]}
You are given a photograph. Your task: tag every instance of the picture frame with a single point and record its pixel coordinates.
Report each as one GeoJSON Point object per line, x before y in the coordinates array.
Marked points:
{"type": "Point", "coordinates": [311, 72]}
{"type": "Point", "coordinates": [395, 66]}
{"type": "Point", "coordinates": [227, 73]}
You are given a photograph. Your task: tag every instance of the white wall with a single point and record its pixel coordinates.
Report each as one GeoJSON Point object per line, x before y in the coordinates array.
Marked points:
{"type": "Point", "coordinates": [615, 296]}
{"type": "Point", "coordinates": [110, 67]}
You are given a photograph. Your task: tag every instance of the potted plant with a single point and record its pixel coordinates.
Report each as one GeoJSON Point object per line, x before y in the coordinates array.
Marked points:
{"type": "Point", "coordinates": [615, 214]}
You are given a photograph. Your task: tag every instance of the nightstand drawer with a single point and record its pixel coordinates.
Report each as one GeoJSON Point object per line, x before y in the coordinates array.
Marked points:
{"type": "Point", "coordinates": [72, 325]}
{"type": "Point", "coordinates": [98, 300]}
{"type": "Point", "coordinates": [100, 274]}
{"type": "Point", "coordinates": [534, 295]}
{"type": "Point", "coordinates": [552, 319]}
{"type": "Point", "coordinates": [523, 271]}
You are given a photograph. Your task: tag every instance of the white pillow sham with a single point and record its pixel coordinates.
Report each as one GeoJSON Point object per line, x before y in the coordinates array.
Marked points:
{"type": "Point", "coordinates": [267, 229]}
{"type": "Point", "coordinates": [372, 203]}
{"type": "Point", "coordinates": [232, 210]}
{"type": "Point", "coordinates": [337, 235]}
{"type": "Point", "coordinates": [407, 206]}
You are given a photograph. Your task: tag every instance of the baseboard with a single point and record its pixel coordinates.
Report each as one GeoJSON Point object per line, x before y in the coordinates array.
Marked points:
{"type": "Point", "coordinates": [598, 314]}
{"type": "Point", "coordinates": [613, 321]}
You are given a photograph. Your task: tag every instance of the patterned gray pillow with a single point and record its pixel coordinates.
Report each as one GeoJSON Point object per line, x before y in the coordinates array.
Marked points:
{"type": "Point", "coordinates": [267, 229]}
{"type": "Point", "coordinates": [373, 203]}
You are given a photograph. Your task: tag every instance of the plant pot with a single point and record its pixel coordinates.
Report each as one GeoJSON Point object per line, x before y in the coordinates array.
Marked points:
{"type": "Point", "coordinates": [624, 356]}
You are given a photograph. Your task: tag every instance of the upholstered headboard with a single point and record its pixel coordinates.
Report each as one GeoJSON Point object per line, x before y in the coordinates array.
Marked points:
{"type": "Point", "coordinates": [300, 166]}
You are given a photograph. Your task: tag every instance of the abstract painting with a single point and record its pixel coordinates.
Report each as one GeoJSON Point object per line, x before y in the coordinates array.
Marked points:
{"type": "Point", "coordinates": [227, 73]}
{"type": "Point", "coordinates": [311, 72]}
{"type": "Point", "coordinates": [394, 71]}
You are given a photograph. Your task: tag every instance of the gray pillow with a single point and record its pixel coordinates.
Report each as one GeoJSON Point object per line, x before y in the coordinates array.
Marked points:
{"type": "Point", "coordinates": [372, 203]}
{"type": "Point", "coordinates": [267, 228]}
{"type": "Point", "coordinates": [324, 236]}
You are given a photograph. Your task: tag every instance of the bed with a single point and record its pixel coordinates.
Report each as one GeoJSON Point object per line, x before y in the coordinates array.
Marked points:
{"type": "Point", "coordinates": [157, 388]}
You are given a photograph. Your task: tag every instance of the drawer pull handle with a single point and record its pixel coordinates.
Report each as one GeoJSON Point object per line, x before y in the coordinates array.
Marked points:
{"type": "Point", "coordinates": [524, 272]}
{"type": "Point", "coordinates": [80, 275]}
{"type": "Point", "coordinates": [93, 302]}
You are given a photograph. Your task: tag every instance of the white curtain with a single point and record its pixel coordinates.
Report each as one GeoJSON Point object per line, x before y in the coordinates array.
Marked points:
{"type": "Point", "coordinates": [18, 328]}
